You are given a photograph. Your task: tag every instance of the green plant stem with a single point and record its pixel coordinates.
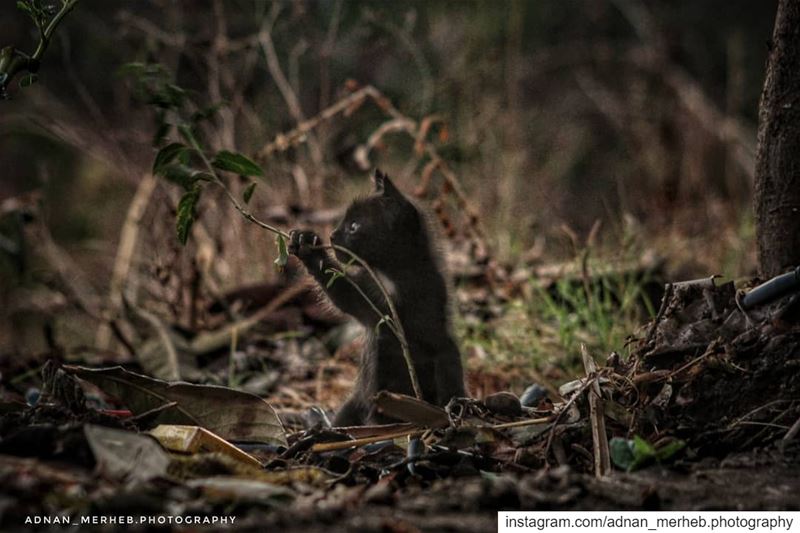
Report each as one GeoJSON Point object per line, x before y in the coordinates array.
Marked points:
{"type": "Point", "coordinates": [245, 213]}
{"type": "Point", "coordinates": [47, 33]}
{"type": "Point", "coordinates": [396, 326]}
{"type": "Point", "coordinates": [16, 61]}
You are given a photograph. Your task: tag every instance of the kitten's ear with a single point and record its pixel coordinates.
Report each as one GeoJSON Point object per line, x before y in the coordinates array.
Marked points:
{"type": "Point", "coordinates": [384, 186]}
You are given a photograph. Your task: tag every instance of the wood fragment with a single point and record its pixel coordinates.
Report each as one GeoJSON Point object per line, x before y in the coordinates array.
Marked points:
{"type": "Point", "coordinates": [792, 433]}
{"type": "Point", "coordinates": [602, 458]}
{"type": "Point", "coordinates": [194, 439]}
{"type": "Point", "coordinates": [410, 409]}
{"type": "Point", "coordinates": [661, 310]}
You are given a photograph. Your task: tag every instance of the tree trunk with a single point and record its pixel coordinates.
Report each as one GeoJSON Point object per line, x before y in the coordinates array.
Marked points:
{"type": "Point", "coordinates": [777, 183]}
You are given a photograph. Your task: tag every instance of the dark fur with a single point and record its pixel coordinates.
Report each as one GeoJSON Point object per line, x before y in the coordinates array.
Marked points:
{"type": "Point", "coordinates": [394, 238]}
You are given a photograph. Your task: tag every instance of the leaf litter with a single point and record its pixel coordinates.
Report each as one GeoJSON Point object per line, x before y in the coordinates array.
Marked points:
{"type": "Point", "coordinates": [685, 428]}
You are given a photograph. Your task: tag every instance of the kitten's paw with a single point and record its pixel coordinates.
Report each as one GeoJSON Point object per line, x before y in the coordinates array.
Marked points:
{"type": "Point", "coordinates": [305, 244]}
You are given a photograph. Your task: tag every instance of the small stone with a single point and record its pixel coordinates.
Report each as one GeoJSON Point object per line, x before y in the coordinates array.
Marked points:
{"type": "Point", "coordinates": [533, 395]}
{"type": "Point", "coordinates": [503, 403]}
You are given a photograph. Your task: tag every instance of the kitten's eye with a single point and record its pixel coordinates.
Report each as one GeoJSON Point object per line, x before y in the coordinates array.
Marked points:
{"type": "Point", "coordinates": [353, 227]}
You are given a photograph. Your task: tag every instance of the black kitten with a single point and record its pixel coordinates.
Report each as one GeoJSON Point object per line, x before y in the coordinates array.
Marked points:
{"type": "Point", "coordinates": [392, 235]}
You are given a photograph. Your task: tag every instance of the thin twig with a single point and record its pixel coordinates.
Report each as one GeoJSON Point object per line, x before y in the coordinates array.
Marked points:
{"type": "Point", "coordinates": [343, 445]}
{"type": "Point", "coordinates": [396, 325]}
{"type": "Point", "coordinates": [661, 310]}
{"type": "Point", "coordinates": [289, 96]}
{"type": "Point", "coordinates": [125, 251]}
{"type": "Point", "coordinates": [563, 410]}
{"type": "Point", "coordinates": [520, 423]}
{"type": "Point", "coordinates": [173, 365]}
{"type": "Point", "coordinates": [245, 213]}
{"type": "Point", "coordinates": [792, 433]}
{"type": "Point", "coordinates": [150, 412]}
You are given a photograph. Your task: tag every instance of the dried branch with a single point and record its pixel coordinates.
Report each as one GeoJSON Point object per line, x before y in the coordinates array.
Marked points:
{"type": "Point", "coordinates": [289, 96]}
{"type": "Point", "coordinates": [602, 458]}
{"type": "Point", "coordinates": [125, 250]}
{"type": "Point", "coordinates": [398, 122]}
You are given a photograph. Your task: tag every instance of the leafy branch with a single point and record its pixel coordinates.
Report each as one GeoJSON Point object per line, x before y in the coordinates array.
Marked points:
{"type": "Point", "coordinates": [173, 162]}
{"type": "Point", "coordinates": [14, 61]}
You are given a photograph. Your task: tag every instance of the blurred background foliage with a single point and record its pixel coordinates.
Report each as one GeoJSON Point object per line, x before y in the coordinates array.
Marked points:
{"type": "Point", "coordinates": [554, 115]}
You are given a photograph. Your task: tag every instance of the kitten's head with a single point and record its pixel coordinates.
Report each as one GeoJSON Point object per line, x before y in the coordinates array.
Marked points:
{"type": "Point", "coordinates": [381, 228]}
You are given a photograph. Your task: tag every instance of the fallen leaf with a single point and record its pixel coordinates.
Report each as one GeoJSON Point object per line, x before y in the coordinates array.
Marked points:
{"type": "Point", "coordinates": [125, 454]}
{"type": "Point", "coordinates": [234, 489]}
{"type": "Point", "coordinates": [231, 414]}
{"type": "Point", "coordinates": [409, 409]}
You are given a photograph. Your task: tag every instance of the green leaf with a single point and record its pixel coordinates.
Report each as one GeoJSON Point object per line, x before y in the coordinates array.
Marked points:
{"type": "Point", "coordinates": [23, 6]}
{"type": "Point", "coordinates": [183, 175]}
{"type": "Point", "coordinates": [187, 213]}
{"type": "Point", "coordinates": [237, 163]}
{"type": "Point", "coordinates": [642, 449]}
{"type": "Point", "coordinates": [207, 112]}
{"type": "Point", "coordinates": [167, 155]}
{"type": "Point", "coordinates": [621, 453]}
{"type": "Point", "coordinates": [668, 450]}
{"type": "Point", "coordinates": [248, 192]}
{"type": "Point", "coordinates": [28, 80]}
{"type": "Point", "coordinates": [631, 454]}
{"type": "Point", "coordinates": [283, 254]}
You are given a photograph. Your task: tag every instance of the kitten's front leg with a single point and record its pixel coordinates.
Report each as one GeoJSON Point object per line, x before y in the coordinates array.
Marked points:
{"type": "Point", "coordinates": [307, 246]}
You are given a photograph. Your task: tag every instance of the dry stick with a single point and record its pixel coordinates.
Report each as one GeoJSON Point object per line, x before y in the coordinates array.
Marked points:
{"type": "Point", "coordinates": [163, 335]}
{"type": "Point", "coordinates": [792, 433]}
{"type": "Point", "coordinates": [685, 366]}
{"type": "Point", "coordinates": [342, 445]}
{"type": "Point", "coordinates": [661, 310]}
{"type": "Point", "coordinates": [284, 140]}
{"type": "Point", "coordinates": [127, 245]}
{"type": "Point", "coordinates": [602, 458]}
{"type": "Point", "coordinates": [563, 410]}
{"type": "Point", "coordinates": [150, 412]}
{"type": "Point", "coordinates": [289, 96]}
{"type": "Point", "coordinates": [297, 135]}
{"type": "Point", "coordinates": [520, 423]}
{"type": "Point", "coordinates": [766, 426]}
{"type": "Point", "coordinates": [758, 409]}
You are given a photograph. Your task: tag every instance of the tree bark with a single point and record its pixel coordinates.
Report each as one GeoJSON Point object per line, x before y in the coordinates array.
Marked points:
{"type": "Point", "coordinates": [777, 181]}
